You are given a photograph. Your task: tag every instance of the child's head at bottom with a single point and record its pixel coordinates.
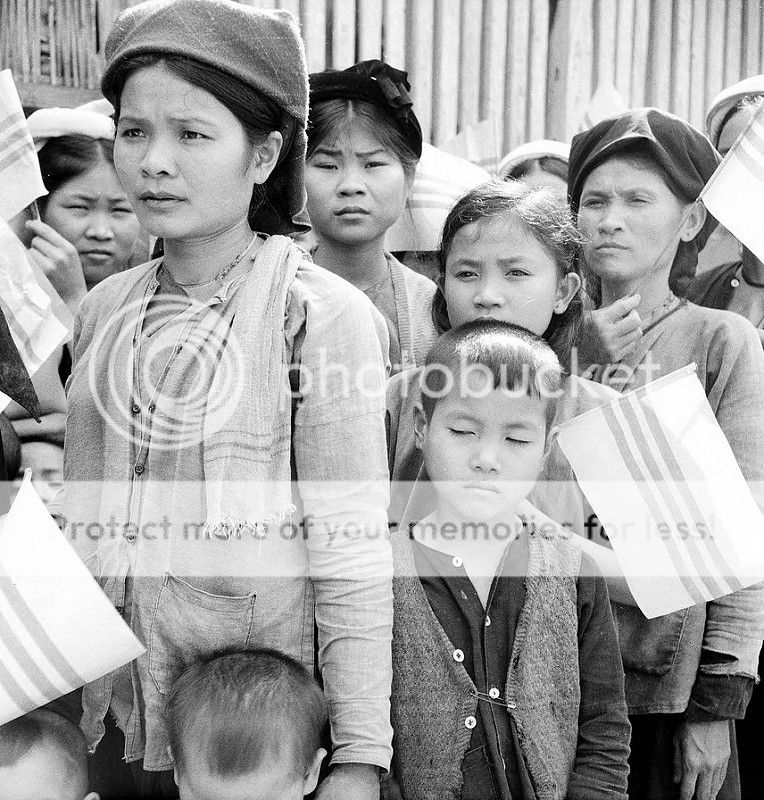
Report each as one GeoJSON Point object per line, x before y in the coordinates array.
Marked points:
{"type": "Point", "coordinates": [488, 399]}
{"type": "Point", "coordinates": [43, 757]}
{"type": "Point", "coordinates": [246, 725]}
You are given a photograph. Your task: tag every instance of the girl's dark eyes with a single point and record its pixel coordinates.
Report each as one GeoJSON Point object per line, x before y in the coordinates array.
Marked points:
{"type": "Point", "coordinates": [323, 165]}
{"type": "Point", "coordinates": [465, 273]}
{"type": "Point", "coordinates": [122, 210]}
{"type": "Point", "coordinates": [131, 133]}
{"type": "Point", "coordinates": [193, 135]}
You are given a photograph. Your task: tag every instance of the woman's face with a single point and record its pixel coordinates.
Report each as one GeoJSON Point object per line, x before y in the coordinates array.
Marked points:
{"type": "Point", "coordinates": [183, 157]}
{"type": "Point", "coordinates": [496, 269]}
{"type": "Point", "coordinates": [632, 224]}
{"type": "Point", "coordinates": [92, 212]}
{"type": "Point", "coordinates": [356, 189]}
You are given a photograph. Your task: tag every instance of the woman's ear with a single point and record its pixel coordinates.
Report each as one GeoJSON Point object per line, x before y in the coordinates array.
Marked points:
{"type": "Point", "coordinates": [266, 155]}
{"type": "Point", "coordinates": [696, 219]}
{"type": "Point", "coordinates": [567, 288]}
{"type": "Point", "coordinates": [420, 426]}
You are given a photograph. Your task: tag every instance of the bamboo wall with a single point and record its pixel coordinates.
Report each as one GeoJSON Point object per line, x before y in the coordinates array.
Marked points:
{"type": "Point", "coordinates": [531, 65]}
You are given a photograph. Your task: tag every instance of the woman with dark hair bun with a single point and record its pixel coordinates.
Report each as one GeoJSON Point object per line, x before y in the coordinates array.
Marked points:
{"type": "Point", "coordinates": [364, 143]}
{"type": "Point", "coordinates": [633, 183]}
{"type": "Point", "coordinates": [199, 391]}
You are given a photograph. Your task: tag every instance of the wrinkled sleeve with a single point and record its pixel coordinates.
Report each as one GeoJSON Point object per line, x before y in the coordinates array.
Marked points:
{"type": "Point", "coordinates": [340, 458]}
{"type": "Point", "coordinates": [735, 623]}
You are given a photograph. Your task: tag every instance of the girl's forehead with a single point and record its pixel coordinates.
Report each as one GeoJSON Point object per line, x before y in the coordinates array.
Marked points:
{"type": "Point", "coordinates": [352, 133]}
{"type": "Point", "coordinates": [491, 231]}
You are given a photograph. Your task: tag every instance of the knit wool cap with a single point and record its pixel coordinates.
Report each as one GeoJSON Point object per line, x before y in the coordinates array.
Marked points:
{"type": "Point", "coordinates": [680, 152]}
{"type": "Point", "coordinates": [262, 49]}
{"type": "Point", "coordinates": [724, 102]}
{"type": "Point", "coordinates": [375, 82]}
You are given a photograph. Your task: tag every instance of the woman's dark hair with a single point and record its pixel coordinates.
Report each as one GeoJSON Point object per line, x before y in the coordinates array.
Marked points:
{"type": "Point", "coordinates": [257, 113]}
{"type": "Point", "coordinates": [550, 164]}
{"type": "Point", "coordinates": [327, 119]}
{"type": "Point", "coordinates": [686, 259]}
{"type": "Point", "coordinates": [547, 218]}
{"type": "Point", "coordinates": [66, 157]}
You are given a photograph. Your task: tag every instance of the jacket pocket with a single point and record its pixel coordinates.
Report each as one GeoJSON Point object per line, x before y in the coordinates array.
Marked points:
{"type": "Point", "coordinates": [649, 645]}
{"type": "Point", "coordinates": [190, 623]}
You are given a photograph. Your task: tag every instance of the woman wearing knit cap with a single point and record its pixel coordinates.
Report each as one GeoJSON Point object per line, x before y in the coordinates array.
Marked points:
{"type": "Point", "coordinates": [633, 183]}
{"type": "Point", "coordinates": [199, 389]}
{"type": "Point", "coordinates": [737, 284]}
{"type": "Point", "coordinates": [364, 142]}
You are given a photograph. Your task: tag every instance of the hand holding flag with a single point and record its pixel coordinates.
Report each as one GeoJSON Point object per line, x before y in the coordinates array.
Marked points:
{"type": "Point", "coordinates": [662, 478]}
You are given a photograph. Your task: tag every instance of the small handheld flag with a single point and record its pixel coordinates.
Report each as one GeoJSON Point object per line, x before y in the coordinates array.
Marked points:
{"type": "Point", "coordinates": [57, 629]}
{"type": "Point", "coordinates": [735, 192]}
{"type": "Point", "coordinates": [20, 178]}
{"type": "Point", "coordinates": [662, 478]}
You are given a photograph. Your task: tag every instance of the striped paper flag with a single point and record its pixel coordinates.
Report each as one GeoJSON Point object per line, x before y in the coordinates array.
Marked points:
{"type": "Point", "coordinates": [440, 180]}
{"type": "Point", "coordinates": [57, 629]}
{"type": "Point", "coordinates": [20, 178]}
{"type": "Point", "coordinates": [663, 480]}
{"type": "Point", "coordinates": [735, 192]}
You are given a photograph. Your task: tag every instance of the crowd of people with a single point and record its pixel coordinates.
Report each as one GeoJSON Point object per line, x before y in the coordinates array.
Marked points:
{"type": "Point", "coordinates": [316, 425]}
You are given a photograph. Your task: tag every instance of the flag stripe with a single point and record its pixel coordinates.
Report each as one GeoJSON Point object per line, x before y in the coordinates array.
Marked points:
{"type": "Point", "coordinates": [671, 460]}
{"type": "Point", "coordinates": [636, 474]}
{"type": "Point", "coordinates": [13, 135]}
{"type": "Point", "coordinates": [15, 153]}
{"type": "Point", "coordinates": [25, 661]}
{"type": "Point", "coordinates": [38, 633]}
{"type": "Point", "coordinates": [14, 691]}
{"type": "Point", "coordinates": [676, 479]}
{"type": "Point", "coordinates": [11, 120]}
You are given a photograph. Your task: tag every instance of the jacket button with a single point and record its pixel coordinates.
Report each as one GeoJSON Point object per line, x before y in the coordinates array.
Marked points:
{"type": "Point", "coordinates": [458, 656]}
{"type": "Point", "coordinates": [136, 408]}
{"type": "Point", "coordinates": [138, 469]}
{"type": "Point", "coordinates": [152, 408]}
{"type": "Point", "coordinates": [470, 722]}
{"type": "Point", "coordinates": [487, 620]}
{"type": "Point", "coordinates": [493, 692]}
{"type": "Point", "coordinates": [456, 561]}
{"type": "Point", "coordinates": [131, 537]}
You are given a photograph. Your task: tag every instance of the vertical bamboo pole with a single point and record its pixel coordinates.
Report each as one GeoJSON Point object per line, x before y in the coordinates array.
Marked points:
{"type": "Point", "coordinates": [420, 52]}
{"type": "Point", "coordinates": [394, 33]}
{"type": "Point", "coordinates": [314, 33]}
{"type": "Point", "coordinates": [570, 67]}
{"type": "Point", "coordinates": [537, 72]}
{"type": "Point", "coordinates": [469, 63]}
{"type": "Point", "coordinates": [681, 75]}
{"type": "Point", "coordinates": [640, 53]}
{"type": "Point", "coordinates": [698, 64]}
{"type": "Point", "coordinates": [445, 71]}
{"type": "Point", "coordinates": [660, 61]}
{"type": "Point", "coordinates": [343, 34]}
{"type": "Point", "coordinates": [715, 49]}
{"type": "Point", "coordinates": [369, 29]}
{"type": "Point", "coordinates": [516, 94]}
{"type": "Point", "coordinates": [733, 47]}
{"type": "Point", "coordinates": [493, 62]}
{"type": "Point", "coordinates": [54, 73]}
{"type": "Point", "coordinates": [624, 49]}
{"type": "Point", "coordinates": [604, 43]}
{"type": "Point", "coordinates": [36, 42]}
{"type": "Point", "coordinates": [751, 36]}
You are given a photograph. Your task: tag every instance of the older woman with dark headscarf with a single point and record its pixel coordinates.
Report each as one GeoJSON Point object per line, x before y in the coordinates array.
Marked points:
{"type": "Point", "coordinates": [633, 183]}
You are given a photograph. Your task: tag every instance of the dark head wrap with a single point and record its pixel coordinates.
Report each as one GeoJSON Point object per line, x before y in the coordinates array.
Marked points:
{"type": "Point", "coordinates": [680, 152]}
{"type": "Point", "coordinates": [262, 49]}
{"type": "Point", "coordinates": [377, 83]}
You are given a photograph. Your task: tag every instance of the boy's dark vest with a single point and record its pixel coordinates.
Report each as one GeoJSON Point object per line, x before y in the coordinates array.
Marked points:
{"type": "Point", "coordinates": [433, 695]}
